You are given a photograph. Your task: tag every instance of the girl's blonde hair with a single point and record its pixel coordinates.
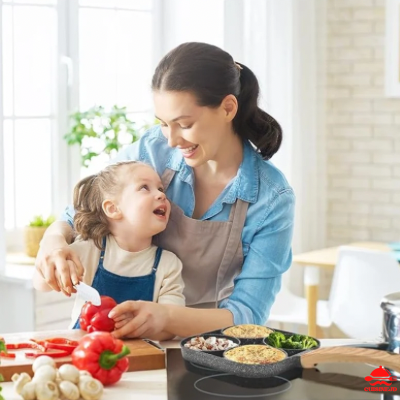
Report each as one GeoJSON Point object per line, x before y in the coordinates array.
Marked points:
{"type": "Point", "coordinates": [90, 220]}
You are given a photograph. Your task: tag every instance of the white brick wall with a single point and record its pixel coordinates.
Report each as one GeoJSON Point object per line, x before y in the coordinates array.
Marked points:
{"type": "Point", "coordinates": [362, 128]}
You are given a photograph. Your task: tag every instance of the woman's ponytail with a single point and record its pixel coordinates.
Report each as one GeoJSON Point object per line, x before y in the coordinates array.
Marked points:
{"type": "Point", "coordinates": [253, 123]}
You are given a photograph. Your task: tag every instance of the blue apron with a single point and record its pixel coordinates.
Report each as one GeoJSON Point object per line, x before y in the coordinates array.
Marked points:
{"type": "Point", "coordinates": [122, 288]}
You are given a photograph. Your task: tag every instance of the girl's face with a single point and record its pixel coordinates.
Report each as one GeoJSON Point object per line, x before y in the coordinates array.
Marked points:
{"type": "Point", "coordinates": [143, 203]}
{"type": "Point", "coordinates": [198, 132]}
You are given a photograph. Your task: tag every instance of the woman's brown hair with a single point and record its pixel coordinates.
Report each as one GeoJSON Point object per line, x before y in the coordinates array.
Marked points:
{"type": "Point", "coordinates": [211, 74]}
{"type": "Point", "coordinates": [90, 221]}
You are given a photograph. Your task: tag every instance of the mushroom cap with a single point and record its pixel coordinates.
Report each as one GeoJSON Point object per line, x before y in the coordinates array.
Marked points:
{"type": "Point", "coordinates": [43, 360]}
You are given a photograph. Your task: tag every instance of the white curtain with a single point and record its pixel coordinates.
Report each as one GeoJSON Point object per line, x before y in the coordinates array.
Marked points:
{"type": "Point", "coordinates": [282, 42]}
{"type": "Point", "coordinates": [278, 40]}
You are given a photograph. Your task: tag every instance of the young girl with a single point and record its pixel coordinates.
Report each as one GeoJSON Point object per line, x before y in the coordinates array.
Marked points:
{"type": "Point", "coordinates": [118, 211]}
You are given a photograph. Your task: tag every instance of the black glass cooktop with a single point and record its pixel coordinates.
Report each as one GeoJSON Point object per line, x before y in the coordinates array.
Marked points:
{"type": "Point", "coordinates": [326, 382]}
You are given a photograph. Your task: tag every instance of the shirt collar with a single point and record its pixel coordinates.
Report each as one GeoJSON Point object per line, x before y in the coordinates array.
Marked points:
{"type": "Point", "coordinates": [244, 186]}
{"type": "Point", "coordinates": [177, 163]}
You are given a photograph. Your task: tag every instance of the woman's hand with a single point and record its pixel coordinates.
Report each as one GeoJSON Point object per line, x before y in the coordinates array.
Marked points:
{"type": "Point", "coordinates": [139, 319]}
{"type": "Point", "coordinates": [57, 266]}
{"type": "Point", "coordinates": [60, 269]}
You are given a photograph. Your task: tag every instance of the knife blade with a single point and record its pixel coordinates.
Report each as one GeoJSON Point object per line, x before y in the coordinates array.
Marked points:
{"type": "Point", "coordinates": [88, 293]}
{"type": "Point", "coordinates": [154, 344]}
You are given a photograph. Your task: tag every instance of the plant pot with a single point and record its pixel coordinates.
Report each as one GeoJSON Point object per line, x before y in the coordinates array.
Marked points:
{"type": "Point", "coordinates": [32, 236]}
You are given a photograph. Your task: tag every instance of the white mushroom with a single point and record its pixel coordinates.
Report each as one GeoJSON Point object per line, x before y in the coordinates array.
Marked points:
{"type": "Point", "coordinates": [69, 372]}
{"type": "Point", "coordinates": [43, 360]}
{"type": "Point", "coordinates": [45, 373]}
{"type": "Point", "coordinates": [46, 391]}
{"type": "Point", "coordinates": [90, 388]}
{"type": "Point", "coordinates": [20, 380]}
{"type": "Point", "coordinates": [69, 390]}
{"type": "Point", "coordinates": [28, 391]}
{"type": "Point", "coordinates": [84, 374]}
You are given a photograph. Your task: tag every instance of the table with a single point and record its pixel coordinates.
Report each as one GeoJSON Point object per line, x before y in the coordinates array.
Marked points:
{"type": "Point", "coordinates": [324, 258]}
{"type": "Point", "coordinates": [150, 385]}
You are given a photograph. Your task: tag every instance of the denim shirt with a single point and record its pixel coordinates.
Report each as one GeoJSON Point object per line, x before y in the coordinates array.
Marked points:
{"type": "Point", "coordinates": [266, 235]}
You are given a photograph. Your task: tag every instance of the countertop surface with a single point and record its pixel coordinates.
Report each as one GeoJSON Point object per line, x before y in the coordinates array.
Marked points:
{"type": "Point", "coordinates": [148, 385]}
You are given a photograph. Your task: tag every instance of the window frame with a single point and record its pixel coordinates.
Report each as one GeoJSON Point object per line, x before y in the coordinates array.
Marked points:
{"type": "Point", "coordinates": [2, 205]}
{"type": "Point", "coordinates": [65, 160]}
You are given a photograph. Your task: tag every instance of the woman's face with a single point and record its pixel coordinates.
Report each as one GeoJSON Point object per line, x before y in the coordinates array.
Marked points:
{"type": "Point", "coordinates": [198, 132]}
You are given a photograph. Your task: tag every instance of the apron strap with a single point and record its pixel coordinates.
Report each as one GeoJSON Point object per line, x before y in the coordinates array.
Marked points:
{"type": "Point", "coordinates": [103, 249]}
{"type": "Point", "coordinates": [235, 236]}
{"type": "Point", "coordinates": [232, 212]}
{"type": "Point", "coordinates": [157, 259]}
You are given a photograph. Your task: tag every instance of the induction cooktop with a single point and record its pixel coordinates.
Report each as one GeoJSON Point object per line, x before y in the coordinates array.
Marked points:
{"type": "Point", "coordinates": [187, 381]}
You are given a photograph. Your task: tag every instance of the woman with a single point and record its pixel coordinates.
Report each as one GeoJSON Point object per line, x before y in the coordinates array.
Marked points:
{"type": "Point", "coordinates": [232, 211]}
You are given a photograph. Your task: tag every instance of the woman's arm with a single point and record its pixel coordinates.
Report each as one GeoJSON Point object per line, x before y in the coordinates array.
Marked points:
{"type": "Point", "coordinates": [268, 257]}
{"type": "Point", "coordinates": [59, 233]}
{"type": "Point", "coordinates": [186, 321]}
{"type": "Point", "coordinates": [165, 321]}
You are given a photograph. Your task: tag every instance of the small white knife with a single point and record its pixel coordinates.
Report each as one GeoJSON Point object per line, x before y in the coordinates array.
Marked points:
{"type": "Point", "coordinates": [88, 293]}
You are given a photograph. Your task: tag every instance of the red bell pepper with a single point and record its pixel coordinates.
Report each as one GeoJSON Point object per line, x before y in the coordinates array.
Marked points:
{"type": "Point", "coordinates": [27, 345]}
{"type": "Point", "coordinates": [54, 354]}
{"type": "Point", "coordinates": [103, 356]}
{"type": "Point", "coordinates": [61, 341]}
{"type": "Point", "coordinates": [95, 318]}
{"type": "Point", "coordinates": [7, 355]}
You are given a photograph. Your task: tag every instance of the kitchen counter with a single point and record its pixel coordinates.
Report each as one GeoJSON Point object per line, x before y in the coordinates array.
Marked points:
{"type": "Point", "coordinates": [148, 385]}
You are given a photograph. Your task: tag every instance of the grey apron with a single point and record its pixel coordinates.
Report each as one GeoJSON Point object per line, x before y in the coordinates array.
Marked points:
{"type": "Point", "coordinates": [211, 251]}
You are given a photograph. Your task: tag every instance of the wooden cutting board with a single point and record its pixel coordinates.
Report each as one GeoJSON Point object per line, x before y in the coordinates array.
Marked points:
{"type": "Point", "coordinates": [143, 356]}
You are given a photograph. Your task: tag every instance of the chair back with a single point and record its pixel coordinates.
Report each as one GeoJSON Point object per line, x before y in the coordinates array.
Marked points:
{"type": "Point", "coordinates": [361, 279]}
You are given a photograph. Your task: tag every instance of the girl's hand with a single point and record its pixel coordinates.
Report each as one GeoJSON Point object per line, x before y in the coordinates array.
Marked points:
{"type": "Point", "coordinates": [139, 319]}
{"type": "Point", "coordinates": [60, 269]}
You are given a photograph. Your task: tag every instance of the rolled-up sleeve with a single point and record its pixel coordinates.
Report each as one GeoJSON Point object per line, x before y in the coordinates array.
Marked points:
{"type": "Point", "coordinates": [269, 256]}
{"type": "Point", "coordinates": [68, 215]}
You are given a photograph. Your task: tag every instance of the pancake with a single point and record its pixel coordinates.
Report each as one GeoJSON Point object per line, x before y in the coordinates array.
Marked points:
{"type": "Point", "coordinates": [248, 331]}
{"type": "Point", "coordinates": [255, 354]}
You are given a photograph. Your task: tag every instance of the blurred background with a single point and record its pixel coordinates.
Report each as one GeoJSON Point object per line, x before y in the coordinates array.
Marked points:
{"type": "Point", "coordinates": [75, 74]}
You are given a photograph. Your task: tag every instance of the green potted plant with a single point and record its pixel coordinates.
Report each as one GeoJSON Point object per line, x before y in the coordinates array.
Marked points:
{"type": "Point", "coordinates": [34, 232]}
{"type": "Point", "coordinates": [100, 131]}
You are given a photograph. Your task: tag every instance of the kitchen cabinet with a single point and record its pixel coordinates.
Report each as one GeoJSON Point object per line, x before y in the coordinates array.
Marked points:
{"type": "Point", "coordinates": [23, 309]}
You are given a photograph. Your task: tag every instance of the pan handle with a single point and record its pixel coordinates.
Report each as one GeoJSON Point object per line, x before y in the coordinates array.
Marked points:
{"type": "Point", "coordinates": [350, 354]}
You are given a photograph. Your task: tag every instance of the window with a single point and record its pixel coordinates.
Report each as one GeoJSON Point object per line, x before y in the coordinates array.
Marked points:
{"type": "Point", "coordinates": [57, 57]}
